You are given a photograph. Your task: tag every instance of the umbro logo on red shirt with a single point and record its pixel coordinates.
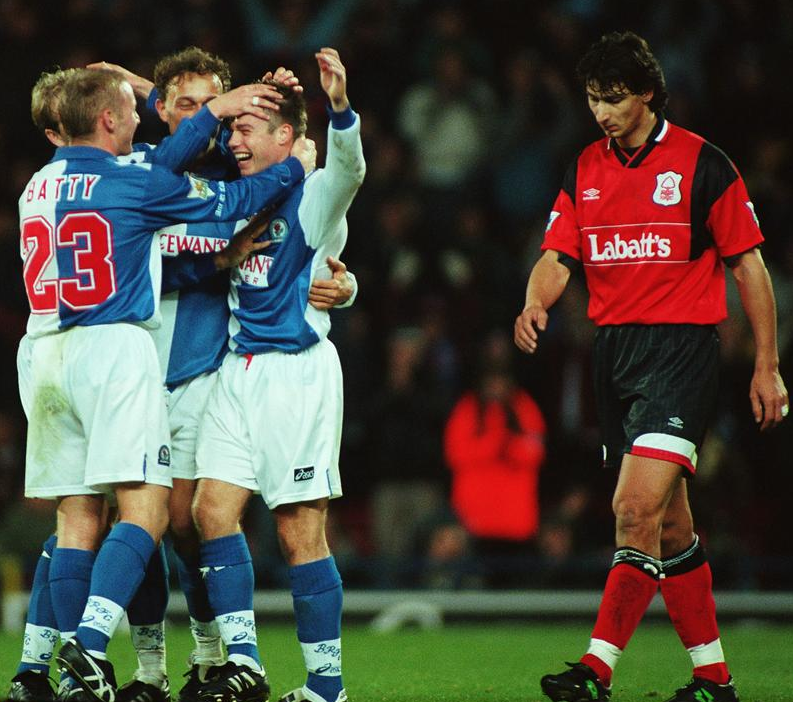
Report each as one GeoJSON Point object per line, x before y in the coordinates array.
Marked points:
{"type": "Point", "coordinates": [591, 194]}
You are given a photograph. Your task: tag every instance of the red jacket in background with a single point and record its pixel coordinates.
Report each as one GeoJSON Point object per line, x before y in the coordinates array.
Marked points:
{"type": "Point", "coordinates": [495, 469]}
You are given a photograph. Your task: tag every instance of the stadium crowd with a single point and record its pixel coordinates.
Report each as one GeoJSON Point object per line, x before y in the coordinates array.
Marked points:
{"type": "Point", "coordinates": [470, 117]}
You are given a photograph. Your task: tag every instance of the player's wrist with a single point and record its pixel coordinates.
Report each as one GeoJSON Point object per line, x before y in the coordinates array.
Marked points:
{"type": "Point", "coordinates": [340, 104]}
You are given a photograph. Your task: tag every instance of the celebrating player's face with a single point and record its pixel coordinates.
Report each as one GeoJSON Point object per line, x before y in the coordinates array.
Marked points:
{"type": "Point", "coordinates": [618, 112]}
{"type": "Point", "coordinates": [257, 144]}
{"type": "Point", "coordinates": [186, 96]}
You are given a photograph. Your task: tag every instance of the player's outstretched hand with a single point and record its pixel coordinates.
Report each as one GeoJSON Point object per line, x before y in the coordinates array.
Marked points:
{"type": "Point", "coordinates": [528, 323]}
{"type": "Point", "coordinates": [244, 243]}
{"type": "Point", "coordinates": [305, 150]}
{"type": "Point", "coordinates": [769, 398]}
{"type": "Point", "coordinates": [255, 99]}
{"type": "Point", "coordinates": [324, 294]}
{"type": "Point", "coordinates": [140, 86]}
{"type": "Point", "coordinates": [333, 78]}
{"type": "Point", "coordinates": [286, 77]}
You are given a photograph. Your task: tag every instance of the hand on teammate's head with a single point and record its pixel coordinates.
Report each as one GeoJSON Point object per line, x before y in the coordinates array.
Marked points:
{"type": "Point", "coordinates": [284, 76]}
{"type": "Point", "coordinates": [256, 99]}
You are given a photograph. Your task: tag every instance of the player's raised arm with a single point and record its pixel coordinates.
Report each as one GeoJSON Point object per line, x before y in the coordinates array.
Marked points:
{"type": "Point", "coordinates": [333, 78]}
{"type": "Point", "coordinates": [330, 192]}
{"type": "Point", "coordinates": [547, 282]}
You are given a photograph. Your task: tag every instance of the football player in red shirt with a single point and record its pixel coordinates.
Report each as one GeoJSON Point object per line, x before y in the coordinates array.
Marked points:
{"type": "Point", "coordinates": [653, 213]}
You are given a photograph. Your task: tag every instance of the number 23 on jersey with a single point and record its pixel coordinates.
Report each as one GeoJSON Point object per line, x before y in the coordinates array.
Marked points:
{"type": "Point", "coordinates": [85, 273]}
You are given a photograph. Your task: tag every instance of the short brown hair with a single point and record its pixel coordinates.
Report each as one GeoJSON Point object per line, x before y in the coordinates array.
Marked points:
{"type": "Point", "coordinates": [189, 60]}
{"type": "Point", "coordinates": [45, 99]}
{"type": "Point", "coordinates": [86, 93]}
{"type": "Point", "coordinates": [292, 110]}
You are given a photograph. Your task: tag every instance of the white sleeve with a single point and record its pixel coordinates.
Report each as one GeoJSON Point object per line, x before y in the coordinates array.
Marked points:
{"type": "Point", "coordinates": [351, 301]}
{"type": "Point", "coordinates": [328, 192]}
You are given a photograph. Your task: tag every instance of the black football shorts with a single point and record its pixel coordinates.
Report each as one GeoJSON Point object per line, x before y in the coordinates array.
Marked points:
{"type": "Point", "coordinates": [656, 389]}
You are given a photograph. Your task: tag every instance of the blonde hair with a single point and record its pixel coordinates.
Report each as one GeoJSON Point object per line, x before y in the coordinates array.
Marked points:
{"type": "Point", "coordinates": [45, 99]}
{"type": "Point", "coordinates": [86, 94]}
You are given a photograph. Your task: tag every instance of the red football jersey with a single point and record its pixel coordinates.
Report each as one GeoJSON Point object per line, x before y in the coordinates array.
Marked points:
{"type": "Point", "coordinates": [652, 228]}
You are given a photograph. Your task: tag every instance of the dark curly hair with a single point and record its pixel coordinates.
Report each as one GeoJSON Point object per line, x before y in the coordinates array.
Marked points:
{"type": "Point", "coordinates": [622, 61]}
{"type": "Point", "coordinates": [189, 60]}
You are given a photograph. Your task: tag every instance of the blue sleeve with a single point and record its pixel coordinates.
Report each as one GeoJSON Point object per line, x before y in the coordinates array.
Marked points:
{"type": "Point", "coordinates": [190, 139]}
{"type": "Point", "coordinates": [186, 269]}
{"type": "Point", "coordinates": [151, 101]}
{"type": "Point", "coordinates": [227, 155]}
{"type": "Point", "coordinates": [168, 198]}
{"type": "Point", "coordinates": [341, 120]}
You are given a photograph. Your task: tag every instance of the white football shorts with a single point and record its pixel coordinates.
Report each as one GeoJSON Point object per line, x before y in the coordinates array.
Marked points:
{"type": "Point", "coordinates": [186, 405]}
{"type": "Point", "coordinates": [273, 425]}
{"type": "Point", "coordinates": [96, 411]}
{"type": "Point", "coordinates": [24, 353]}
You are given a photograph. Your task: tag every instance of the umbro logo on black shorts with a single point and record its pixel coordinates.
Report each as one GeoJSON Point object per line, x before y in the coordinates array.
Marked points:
{"type": "Point", "coordinates": [304, 473]}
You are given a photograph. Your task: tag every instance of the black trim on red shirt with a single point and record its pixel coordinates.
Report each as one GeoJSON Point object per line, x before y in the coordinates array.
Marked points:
{"type": "Point", "coordinates": [714, 173]}
{"type": "Point", "coordinates": [631, 158]}
{"type": "Point", "coordinates": [572, 264]}
{"type": "Point", "coordinates": [570, 178]}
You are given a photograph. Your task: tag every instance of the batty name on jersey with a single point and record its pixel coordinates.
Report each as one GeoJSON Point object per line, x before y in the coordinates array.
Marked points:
{"type": "Point", "coordinates": [67, 187]}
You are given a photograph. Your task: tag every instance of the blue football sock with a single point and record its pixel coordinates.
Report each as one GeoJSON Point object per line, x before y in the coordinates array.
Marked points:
{"type": "Point", "coordinates": [194, 588]}
{"type": "Point", "coordinates": [70, 582]}
{"type": "Point", "coordinates": [317, 598]}
{"type": "Point", "coordinates": [228, 571]}
{"type": "Point", "coordinates": [41, 627]}
{"type": "Point", "coordinates": [151, 599]}
{"type": "Point", "coordinates": [146, 615]}
{"type": "Point", "coordinates": [118, 571]}
{"type": "Point", "coordinates": [206, 633]}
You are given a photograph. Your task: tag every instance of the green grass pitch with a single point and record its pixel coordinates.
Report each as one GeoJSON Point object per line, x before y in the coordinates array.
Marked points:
{"type": "Point", "coordinates": [489, 662]}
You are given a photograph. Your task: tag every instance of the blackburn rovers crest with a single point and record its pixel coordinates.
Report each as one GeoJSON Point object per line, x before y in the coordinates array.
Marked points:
{"type": "Point", "coordinates": [667, 188]}
{"type": "Point", "coordinates": [278, 230]}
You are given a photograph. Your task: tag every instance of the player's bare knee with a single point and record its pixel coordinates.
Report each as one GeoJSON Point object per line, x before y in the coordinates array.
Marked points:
{"type": "Point", "coordinates": [637, 523]}
{"type": "Point", "coordinates": [676, 537]}
{"type": "Point", "coordinates": [298, 552]}
{"type": "Point", "coordinates": [182, 526]}
{"type": "Point", "coordinates": [213, 520]}
{"type": "Point", "coordinates": [302, 545]}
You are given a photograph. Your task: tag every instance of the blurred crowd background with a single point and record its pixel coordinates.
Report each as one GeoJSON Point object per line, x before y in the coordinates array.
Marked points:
{"type": "Point", "coordinates": [464, 463]}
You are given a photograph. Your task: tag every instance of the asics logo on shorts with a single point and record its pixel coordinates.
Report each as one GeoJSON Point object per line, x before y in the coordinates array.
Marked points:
{"type": "Point", "coordinates": [304, 473]}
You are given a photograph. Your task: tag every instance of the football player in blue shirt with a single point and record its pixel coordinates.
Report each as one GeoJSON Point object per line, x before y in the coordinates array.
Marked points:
{"type": "Point", "coordinates": [31, 683]}
{"type": "Point", "coordinates": [287, 446]}
{"type": "Point", "coordinates": [92, 274]}
{"type": "Point", "coordinates": [191, 344]}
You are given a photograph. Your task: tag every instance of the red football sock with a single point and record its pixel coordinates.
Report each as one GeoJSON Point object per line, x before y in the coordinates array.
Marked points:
{"type": "Point", "coordinates": [687, 589]}
{"type": "Point", "coordinates": [630, 588]}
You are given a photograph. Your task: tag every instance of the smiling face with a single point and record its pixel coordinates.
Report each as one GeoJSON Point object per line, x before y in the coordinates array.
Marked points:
{"type": "Point", "coordinates": [186, 95]}
{"type": "Point", "coordinates": [622, 115]}
{"type": "Point", "coordinates": [258, 144]}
